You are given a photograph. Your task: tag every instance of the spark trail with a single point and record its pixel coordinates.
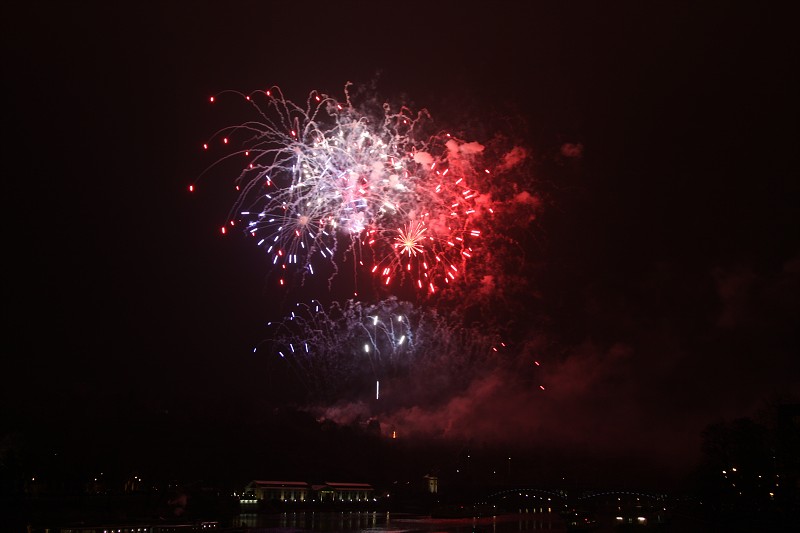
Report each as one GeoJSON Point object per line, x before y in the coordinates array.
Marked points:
{"type": "Point", "coordinates": [339, 352]}
{"type": "Point", "coordinates": [326, 183]}
{"type": "Point", "coordinates": [402, 203]}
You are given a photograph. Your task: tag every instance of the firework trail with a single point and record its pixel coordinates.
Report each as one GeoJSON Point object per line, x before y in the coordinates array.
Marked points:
{"type": "Point", "coordinates": [340, 351]}
{"type": "Point", "coordinates": [327, 183]}
{"type": "Point", "coordinates": [403, 204]}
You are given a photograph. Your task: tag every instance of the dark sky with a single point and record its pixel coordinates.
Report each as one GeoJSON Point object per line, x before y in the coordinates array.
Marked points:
{"type": "Point", "coordinates": [669, 249]}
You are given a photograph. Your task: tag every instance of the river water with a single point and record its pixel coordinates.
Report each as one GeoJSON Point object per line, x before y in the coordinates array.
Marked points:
{"type": "Point", "coordinates": [351, 522]}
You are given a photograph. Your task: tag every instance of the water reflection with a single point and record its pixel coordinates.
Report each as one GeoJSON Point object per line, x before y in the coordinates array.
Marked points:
{"type": "Point", "coordinates": [368, 521]}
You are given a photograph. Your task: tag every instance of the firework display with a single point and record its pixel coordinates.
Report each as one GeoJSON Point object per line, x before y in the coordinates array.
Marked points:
{"type": "Point", "coordinates": [329, 182]}
{"type": "Point", "coordinates": [339, 350]}
{"type": "Point", "coordinates": [404, 204]}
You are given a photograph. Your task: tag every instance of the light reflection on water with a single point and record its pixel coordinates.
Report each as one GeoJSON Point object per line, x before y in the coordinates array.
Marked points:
{"type": "Point", "coordinates": [364, 521]}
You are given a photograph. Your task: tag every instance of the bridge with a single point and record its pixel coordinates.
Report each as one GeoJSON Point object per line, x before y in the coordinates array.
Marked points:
{"type": "Point", "coordinates": [526, 497]}
{"type": "Point", "coordinates": [627, 494]}
{"type": "Point", "coordinates": [529, 499]}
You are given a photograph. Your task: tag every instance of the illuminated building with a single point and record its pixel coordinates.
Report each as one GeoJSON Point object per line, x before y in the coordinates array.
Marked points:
{"type": "Point", "coordinates": [257, 492]}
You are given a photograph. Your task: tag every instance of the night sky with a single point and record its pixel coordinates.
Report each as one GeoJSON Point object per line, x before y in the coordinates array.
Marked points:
{"type": "Point", "coordinates": [666, 252]}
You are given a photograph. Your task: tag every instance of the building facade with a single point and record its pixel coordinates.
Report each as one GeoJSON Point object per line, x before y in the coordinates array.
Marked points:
{"type": "Point", "coordinates": [283, 491]}
{"type": "Point", "coordinates": [258, 492]}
